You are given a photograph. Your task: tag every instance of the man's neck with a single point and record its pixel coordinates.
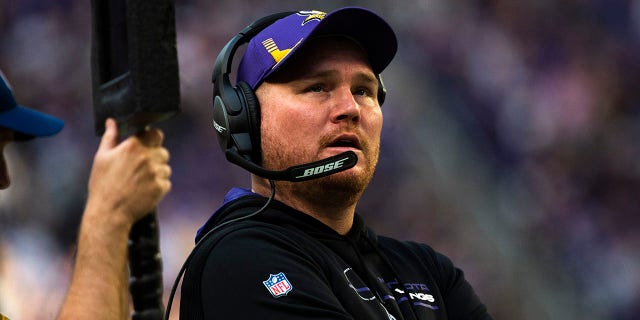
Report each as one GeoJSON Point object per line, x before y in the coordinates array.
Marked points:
{"type": "Point", "coordinates": [333, 209]}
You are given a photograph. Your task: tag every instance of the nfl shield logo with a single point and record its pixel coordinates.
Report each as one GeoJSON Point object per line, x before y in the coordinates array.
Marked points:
{"type": "Point", "coordinates": [278, 285]}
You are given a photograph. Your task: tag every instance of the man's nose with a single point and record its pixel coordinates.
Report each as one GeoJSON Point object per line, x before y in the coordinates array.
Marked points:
{"type": "Point", "coordinates": [346, 106]}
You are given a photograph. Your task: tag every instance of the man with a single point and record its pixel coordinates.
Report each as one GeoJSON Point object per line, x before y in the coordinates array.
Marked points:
{"type": "Point", "coordinates": [128, 179]}
{"type": "Point", "coordinates": [18, 123]}
{"type": "Point", "coordinates": [307, 254]}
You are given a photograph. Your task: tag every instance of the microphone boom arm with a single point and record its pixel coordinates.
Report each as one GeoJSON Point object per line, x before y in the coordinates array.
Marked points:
{"type": "Point", "coordinates": [303, 172]}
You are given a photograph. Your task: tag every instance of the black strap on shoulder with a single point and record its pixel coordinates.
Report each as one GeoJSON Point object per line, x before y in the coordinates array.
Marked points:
{"type": "Point", "coordinates": [191, 297]}
{"type": "Point", "coordinates": [191, 304]}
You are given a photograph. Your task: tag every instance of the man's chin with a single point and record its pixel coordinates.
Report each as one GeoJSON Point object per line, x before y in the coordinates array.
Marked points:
{"type": "Point", "coordinates": [352, 180]}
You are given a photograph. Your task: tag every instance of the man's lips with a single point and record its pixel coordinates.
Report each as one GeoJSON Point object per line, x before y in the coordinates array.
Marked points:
{"type": "Point", "coordinates": [349, 141]}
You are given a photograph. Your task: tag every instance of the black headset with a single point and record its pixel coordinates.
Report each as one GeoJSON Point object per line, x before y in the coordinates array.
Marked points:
{"type": "Point", "coordinates": [236, 111]}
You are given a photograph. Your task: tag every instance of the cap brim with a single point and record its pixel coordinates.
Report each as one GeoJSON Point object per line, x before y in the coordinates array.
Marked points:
{"type": "Point", "coordinates": [365, 27]}
{"type": "Point", "coordinates": [30, 123]}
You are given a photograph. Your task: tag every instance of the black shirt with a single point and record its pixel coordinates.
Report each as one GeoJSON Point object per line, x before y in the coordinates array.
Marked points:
{"type": "Point", "coordinates": [284, 264]}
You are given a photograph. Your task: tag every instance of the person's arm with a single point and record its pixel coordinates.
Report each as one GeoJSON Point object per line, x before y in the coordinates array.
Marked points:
{"type": "Point", "coordinates": [127, 181]}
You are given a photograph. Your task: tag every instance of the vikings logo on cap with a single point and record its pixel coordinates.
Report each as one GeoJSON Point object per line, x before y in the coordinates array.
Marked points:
{"type": "Point", "coordinates": [278, 54]}
{"type": "Point", "coordinates": [312, 15]}
{"type": "Point", "coordinates": [275, 52]}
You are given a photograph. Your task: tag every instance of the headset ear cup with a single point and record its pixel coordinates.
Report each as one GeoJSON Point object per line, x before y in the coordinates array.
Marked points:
{"type": "Point", "coordinates": [253, 115]}
{"type": "Point", "coordinates": [382, 90]}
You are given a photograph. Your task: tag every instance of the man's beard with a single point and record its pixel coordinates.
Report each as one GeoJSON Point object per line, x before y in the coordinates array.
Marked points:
{"type": "Point", "coordinates": [338, 189]}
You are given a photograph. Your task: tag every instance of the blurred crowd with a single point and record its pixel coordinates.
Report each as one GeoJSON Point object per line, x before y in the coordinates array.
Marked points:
{"type": "Point", "coordinates": [510, 143]}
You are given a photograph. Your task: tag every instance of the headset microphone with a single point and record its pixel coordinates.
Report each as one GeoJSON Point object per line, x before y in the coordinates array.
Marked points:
{"type": "Point", "coordinates": [307, 171]}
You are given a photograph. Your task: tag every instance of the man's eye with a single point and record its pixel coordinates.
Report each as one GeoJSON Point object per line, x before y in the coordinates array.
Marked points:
{"type": "Point", "coordinates": [362, 92]}
{"type": "Point", "coordinates": [316, 88]}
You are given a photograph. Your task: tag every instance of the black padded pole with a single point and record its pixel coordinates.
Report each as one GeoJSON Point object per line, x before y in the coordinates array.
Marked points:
{"type": "Point", "coordinates": [135, 80]}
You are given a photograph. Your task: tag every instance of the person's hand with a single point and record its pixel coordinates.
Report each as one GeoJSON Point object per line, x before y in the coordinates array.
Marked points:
{"type": "Point", "coordinates": [129, 178]}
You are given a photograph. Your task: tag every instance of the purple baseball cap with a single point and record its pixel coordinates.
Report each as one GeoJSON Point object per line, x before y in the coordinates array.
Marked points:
{"type": "Point", "coordinates": [271, 47]}
{"type": "Point", "coordinates": [26, 122]}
